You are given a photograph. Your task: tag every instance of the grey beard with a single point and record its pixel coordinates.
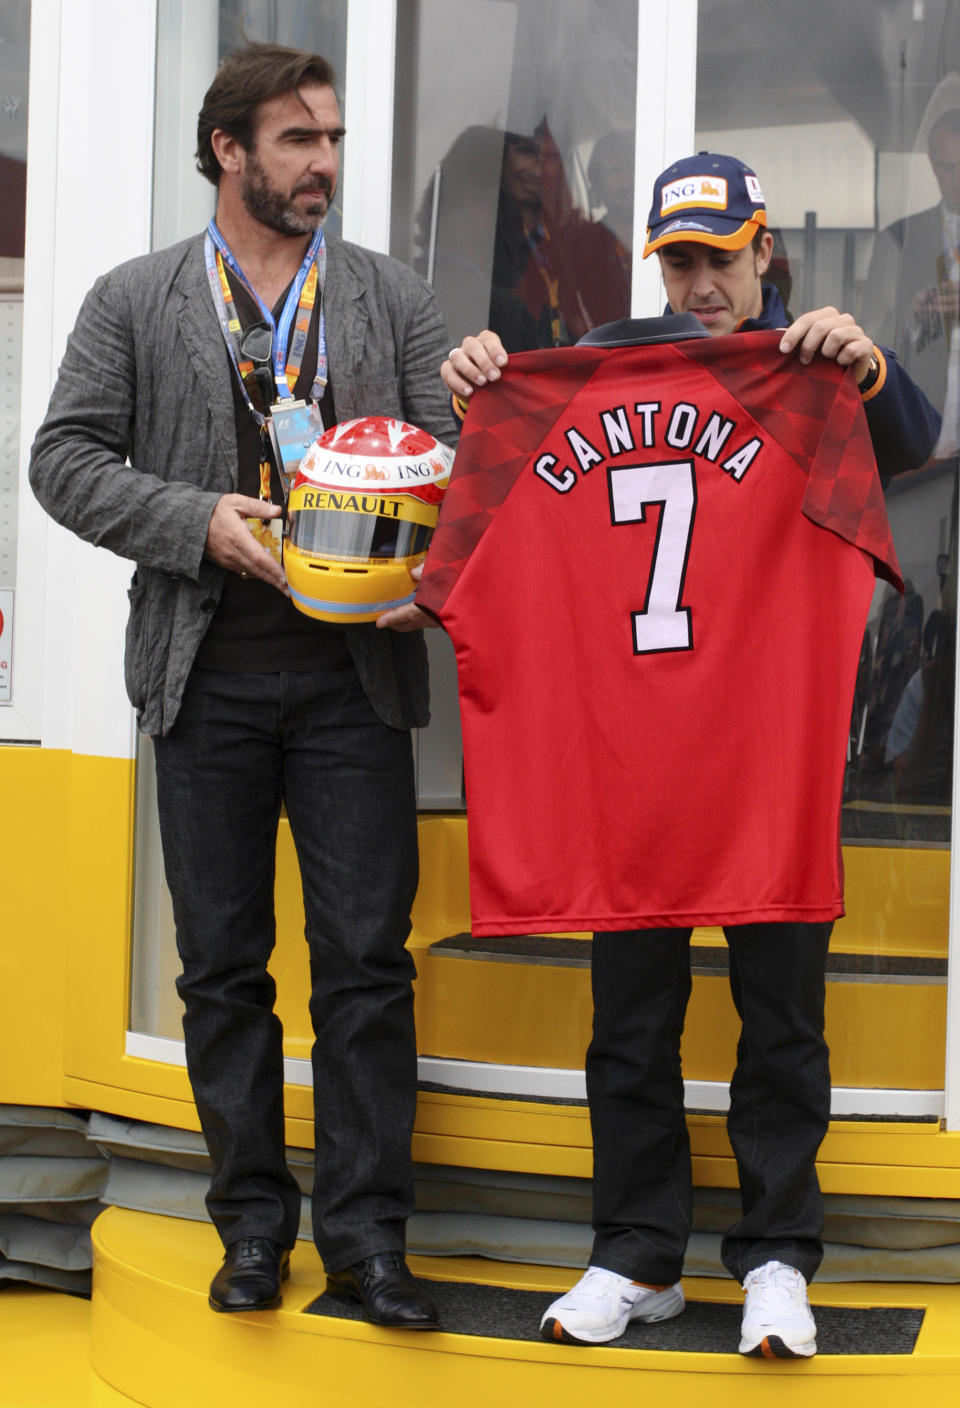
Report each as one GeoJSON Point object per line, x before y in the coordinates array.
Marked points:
{"type": "Point", "coordinates": [272, 209]}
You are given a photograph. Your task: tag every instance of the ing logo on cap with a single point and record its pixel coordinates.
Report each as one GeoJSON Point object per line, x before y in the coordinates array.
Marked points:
{"type": "Point", "coordinates": [694, 192]}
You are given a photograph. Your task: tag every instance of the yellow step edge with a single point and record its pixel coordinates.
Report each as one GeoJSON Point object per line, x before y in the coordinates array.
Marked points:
{"type": "Point", "coordinates": [154, 1339]}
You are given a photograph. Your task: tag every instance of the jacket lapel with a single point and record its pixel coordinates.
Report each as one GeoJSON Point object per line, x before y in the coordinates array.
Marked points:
{"type": "Point", "coordinates": [346, 324]}
{"type": "Point", "coordinates": [202, 335]}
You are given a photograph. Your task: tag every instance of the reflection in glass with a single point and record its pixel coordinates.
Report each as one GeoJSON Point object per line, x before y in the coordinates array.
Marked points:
{"type": "Point", "coordinates": [522, 220]}
{"type": "Point", "coordinates": [840, 132]}
{"type": "Point", "coordinates": [910, 301]}
{"type": "Point", "coordinates": [519, 213]}
{"type": "Point", "coordinates": [844, 117]}
{"type": "Point", "coordinates": [556, 272]}
{"type": "Point", "coordinates": [14, 60]}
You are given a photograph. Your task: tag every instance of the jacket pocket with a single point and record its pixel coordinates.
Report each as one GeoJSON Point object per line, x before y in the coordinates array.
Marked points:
{"type": "Point", "coordinates": [152, 597]}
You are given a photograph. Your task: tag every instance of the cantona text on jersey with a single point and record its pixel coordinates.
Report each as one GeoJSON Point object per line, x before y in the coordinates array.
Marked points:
{"type": "Point", "coordinates": [709, 434]}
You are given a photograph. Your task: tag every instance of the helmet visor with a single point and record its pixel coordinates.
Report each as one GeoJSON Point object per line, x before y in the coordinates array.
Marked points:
{"type": "Point", "coordinates": [397, 531]}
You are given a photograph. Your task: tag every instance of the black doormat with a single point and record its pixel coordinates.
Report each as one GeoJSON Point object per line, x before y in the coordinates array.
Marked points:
{"type": "Point", "coordinates": [704, 1328]}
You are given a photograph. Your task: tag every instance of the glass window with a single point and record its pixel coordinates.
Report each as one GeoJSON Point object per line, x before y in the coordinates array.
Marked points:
{"type": "Point", "coordinates": [192, 37]}
{"type": "Point", "coordinates": [519, 214]}
{"type": "Point", "coordinates": [14, 64]}
{"type": "Point", "coordinates": [850, 114]}
{"type": "Point", "coordinates": [838, 120]}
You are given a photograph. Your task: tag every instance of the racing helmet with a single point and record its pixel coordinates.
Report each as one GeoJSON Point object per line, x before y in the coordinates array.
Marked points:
{"type": "Point", "coordinates": [360, 515]}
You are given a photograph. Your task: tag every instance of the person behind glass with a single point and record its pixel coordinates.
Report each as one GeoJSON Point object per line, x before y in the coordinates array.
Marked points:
{"type": "Point", "coordinates": [912, 296]}
{"type": "Point", "coordinates": [610, 173]}
{"type": "Point", "coordinates": [528, 266]}
{"type": "Point", "coordinates": [564, 273]}
{"type": "Point", "coordinates": [605, 254]}
{"type": "Point", "coordinates": [250, 704]}
{"type": "Point", "coordinates": [542, 257]}
{"type": "Point", "coordinates": [707, 226]}
{"type": "Point", "coordinates": [913, 283]}
{"type": "Point", "coordinates": [919, 741]}
{"type": "Point", "coordinates": [456, 234]}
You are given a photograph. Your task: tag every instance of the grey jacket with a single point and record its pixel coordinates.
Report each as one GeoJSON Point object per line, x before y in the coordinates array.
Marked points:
{"type": "Point", "coordinates": [138, 443]}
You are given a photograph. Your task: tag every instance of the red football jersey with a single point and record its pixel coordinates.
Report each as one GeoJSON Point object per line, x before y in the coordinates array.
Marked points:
{"type": "Point", "coordinates": [655, 564]}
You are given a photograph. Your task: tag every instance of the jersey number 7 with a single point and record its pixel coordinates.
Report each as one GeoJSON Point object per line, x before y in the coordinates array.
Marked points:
{"type": "Point", "coordinates": [662, 623]}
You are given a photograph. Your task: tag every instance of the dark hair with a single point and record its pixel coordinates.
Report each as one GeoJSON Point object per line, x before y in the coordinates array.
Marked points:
{"type": "Point", "coordinates": [245, 79]}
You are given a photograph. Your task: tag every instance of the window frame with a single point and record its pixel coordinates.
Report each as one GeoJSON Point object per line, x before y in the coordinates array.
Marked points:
{"type": "Point", "coordinates": [70, 603]}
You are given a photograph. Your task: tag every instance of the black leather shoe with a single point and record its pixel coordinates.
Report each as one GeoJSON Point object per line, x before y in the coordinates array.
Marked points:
{"type": "Point", "coordinates": [250, 1276]}
{"type": "Point", "coordinates": [387, 1291]}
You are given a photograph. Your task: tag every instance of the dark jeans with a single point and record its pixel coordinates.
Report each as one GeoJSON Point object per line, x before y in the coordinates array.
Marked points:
{"type": "Point", "coordinates": [241, 746]}
{"type": "Point", "coordinates": [779, 1099]}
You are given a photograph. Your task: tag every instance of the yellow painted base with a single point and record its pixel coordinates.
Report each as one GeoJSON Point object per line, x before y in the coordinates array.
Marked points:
{"type": "Point", "coordinates": [46, 1352]}
{"type": "Point", "coordinates": [154, 1340]}
{"type": "Point", "coordinates": [65, 970]}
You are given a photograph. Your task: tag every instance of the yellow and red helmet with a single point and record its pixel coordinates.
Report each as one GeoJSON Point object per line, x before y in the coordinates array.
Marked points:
{"type": "Point", "coordinates": [360, 515]}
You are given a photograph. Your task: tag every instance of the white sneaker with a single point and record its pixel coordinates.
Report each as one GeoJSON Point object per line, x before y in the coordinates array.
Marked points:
{"type": "Point", "coordinates": [777, 1323]}
{"type": "Point", "coordinates": [603, 1303]}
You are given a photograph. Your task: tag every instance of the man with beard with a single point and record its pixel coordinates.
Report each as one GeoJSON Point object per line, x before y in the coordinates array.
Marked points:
{"type": "Point", "coordinates": [154, 446]}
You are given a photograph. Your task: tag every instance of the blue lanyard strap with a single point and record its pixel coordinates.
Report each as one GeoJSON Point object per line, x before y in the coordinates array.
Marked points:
{"type": "Point", "coordinates": [286, 353]}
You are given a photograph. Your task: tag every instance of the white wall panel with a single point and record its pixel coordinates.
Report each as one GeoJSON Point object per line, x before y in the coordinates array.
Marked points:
{"type": "Point", "coordinates": [88, 208]}
{"type": "Point", "coordinates": [666, 103]}
{"type": "Point", "coordinates": [368, 118]}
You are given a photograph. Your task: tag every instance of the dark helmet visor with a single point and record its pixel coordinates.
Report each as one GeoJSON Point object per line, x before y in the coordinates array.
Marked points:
{"type": "Point", "coordinates": [355, 537]}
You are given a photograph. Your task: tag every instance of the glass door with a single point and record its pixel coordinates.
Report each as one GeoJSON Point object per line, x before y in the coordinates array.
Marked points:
{"type": "Point", "coordinates": [850, 115]}
{"type": "Point", "coordinates": [518, 210]}
{"type": "Point", "coordinates": [15, 39]}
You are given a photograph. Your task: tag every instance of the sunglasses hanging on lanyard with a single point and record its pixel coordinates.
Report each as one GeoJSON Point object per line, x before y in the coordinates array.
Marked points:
{"type": "Point", "coordinates": [269, 354]}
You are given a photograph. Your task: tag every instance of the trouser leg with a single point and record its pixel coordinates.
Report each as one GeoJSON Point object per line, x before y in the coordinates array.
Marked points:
{"type": "Point", "coordinates": [350, 798]}
{"type": "Point", "coordinates": [779, 1095]}
{"type": "Point", "coordinates": [219, 786]}
{"type": "Point", "coordinates": [641, 1150]}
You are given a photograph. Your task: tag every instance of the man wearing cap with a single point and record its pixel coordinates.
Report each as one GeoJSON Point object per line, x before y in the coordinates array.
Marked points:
{"type": "Point", "coordinates": [708, 227]}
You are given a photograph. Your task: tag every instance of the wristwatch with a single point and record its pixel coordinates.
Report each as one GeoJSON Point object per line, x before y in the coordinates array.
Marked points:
{"type": "Point", "coordinates": [870, 380]}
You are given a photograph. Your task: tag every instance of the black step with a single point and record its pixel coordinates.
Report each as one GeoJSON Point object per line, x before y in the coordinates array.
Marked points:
{"type": "Point", "coordinates": [550, 950]}
{"type": "Point", "coordinates": [705, 1327]}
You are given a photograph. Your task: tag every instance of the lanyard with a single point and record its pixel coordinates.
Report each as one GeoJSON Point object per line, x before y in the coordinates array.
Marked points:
{"type": "Point", "coordinates": [950, 245]}
{"type": "Point", "coordinates": [290, 335]}
{"type": "Point", "coordinates": [552, 284]}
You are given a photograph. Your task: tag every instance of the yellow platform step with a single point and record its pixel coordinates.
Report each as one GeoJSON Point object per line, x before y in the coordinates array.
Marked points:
{"type": "Point", "coordinates": [45, 1339]}
{"type": "Point", "coordinates": [154, 1340]}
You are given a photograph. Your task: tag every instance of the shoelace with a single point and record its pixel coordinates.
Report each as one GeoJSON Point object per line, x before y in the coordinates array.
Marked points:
{"type": "Point", "coordinates": [781, 1285]}
{"type": "Point", "coordinates": [250, 1246]}
{"type": "Point", "coordinates": [598, 1279]}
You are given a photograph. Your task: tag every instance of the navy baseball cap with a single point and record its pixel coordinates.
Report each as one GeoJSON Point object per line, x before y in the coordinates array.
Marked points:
{"type": "Point", "coordinates": [707, 198]}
